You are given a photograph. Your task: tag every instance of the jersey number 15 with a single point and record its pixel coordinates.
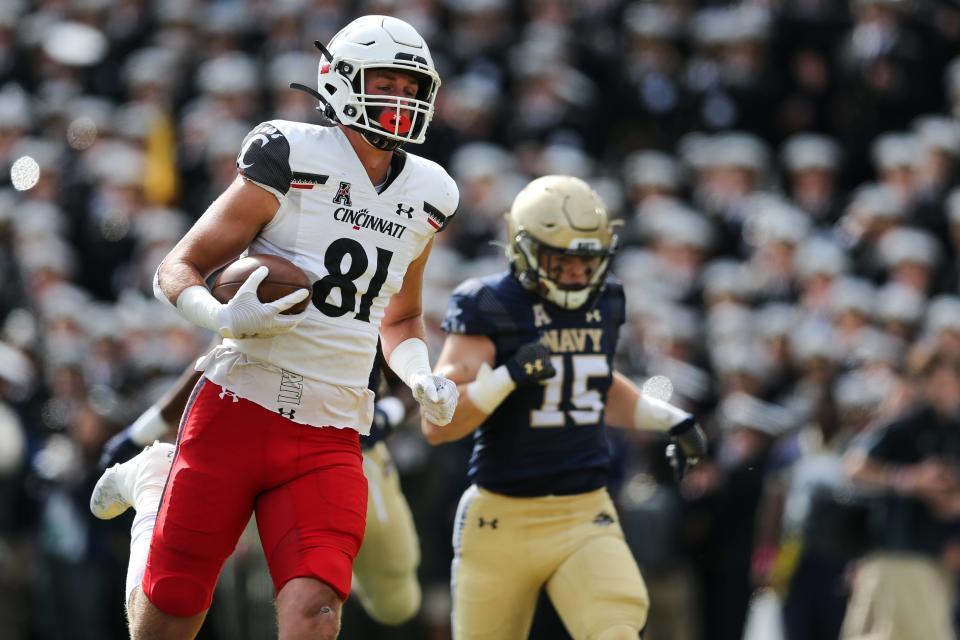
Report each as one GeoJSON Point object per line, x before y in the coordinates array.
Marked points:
{"type": "Point", "coordinates": [587, 403]}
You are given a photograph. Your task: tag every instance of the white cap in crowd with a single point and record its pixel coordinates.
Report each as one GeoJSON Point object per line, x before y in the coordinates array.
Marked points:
{"type": "Point", "coordinates": [906, 244]}
{"type": "Point", "coordinates": [228, 73]}
{"type": "Point", "coordinates": [899, 303]}
{"type": "Point", "coordinates": [804, 151]}
{"type": "Point", "coordinates": [771, 218]}
{"type": "Point", "coordinates": [649, 20]}
{"type": "Point", "coordinates": [777, 319]}
{"type": "Point", "coordinates": [669, 222]}
{"type": "Point", "coordinates": [895, 150]}
{"type": "Point", "coordinates": [812, 339]}
{"type": "Point", "coordinates": [861, 390]}
{"type": "Point", "coordinates": [943, 314]}
{"type": "Point", "coordinates": [876, 202]}
{"type": "Point", "coordinates": [938, 133]}
{"type": "Point", "coordinates": [852, 294]}
{"type": "Point", "coordinates": [652, 169]}
{"type": "Point", "coordinates": [820, 255]}
{"type": "Point", "coordinates": [726, 277]}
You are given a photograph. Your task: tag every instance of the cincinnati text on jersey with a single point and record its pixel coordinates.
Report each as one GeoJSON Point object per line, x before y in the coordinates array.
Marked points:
{"type": "Point", "coordinates": [363, 219]}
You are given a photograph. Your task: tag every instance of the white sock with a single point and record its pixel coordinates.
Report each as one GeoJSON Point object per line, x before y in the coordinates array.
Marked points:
{"type": "Point", "coordinates": [141, 533]}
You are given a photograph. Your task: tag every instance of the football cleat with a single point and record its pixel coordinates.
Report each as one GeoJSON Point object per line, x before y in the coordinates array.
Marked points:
{"type": "Point", "coordinates": [118, 487]}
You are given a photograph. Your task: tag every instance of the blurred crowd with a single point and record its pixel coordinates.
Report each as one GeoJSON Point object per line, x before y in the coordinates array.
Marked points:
{"type": "Point", "coordinates": [787, 176]}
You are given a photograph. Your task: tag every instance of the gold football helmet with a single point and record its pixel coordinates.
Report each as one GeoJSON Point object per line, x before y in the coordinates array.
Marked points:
{"type": "Point", "coordinates": [553, 219]}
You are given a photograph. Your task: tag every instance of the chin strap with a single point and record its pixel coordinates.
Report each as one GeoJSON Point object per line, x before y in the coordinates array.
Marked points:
{"type": "Point", "coordinates": [327, 114]}
{"type": "Point", "coordinates": [378, 141]}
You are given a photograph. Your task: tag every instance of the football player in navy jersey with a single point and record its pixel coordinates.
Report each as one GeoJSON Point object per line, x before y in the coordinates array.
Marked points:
{"type": "Point", "coordinates": [532, 351]}
{"type": "Point", "coordinates": [274, 425]}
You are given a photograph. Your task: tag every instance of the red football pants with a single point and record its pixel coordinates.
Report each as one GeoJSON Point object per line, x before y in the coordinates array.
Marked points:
{"type": "Point", "coordinates": [234, 458]}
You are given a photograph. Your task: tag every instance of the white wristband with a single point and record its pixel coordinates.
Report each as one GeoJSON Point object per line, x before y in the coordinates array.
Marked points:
{"type": "Point", "coordinates": [148, 427]}
{"type": "Point", "coordinates": [491, 387]}
{"type": "Point", "coordinates": [410, 358]}
{"type": "Point", "coordinates": [198, 305]}
{"type": "Point", "coordinates": [657, 415]}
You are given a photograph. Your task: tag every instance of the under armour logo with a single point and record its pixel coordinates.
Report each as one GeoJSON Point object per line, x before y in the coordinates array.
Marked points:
{"type": "Point", "coordinates": [343, 195]}
{"type": "Point", "coordinates": [226, 392]}
{"type": "Point", "coordinates": [603, 519]}
{"type": "Point", "coordinates": [593, 316]}
{"type": "Point", "coordinates": [408, 211]}
{"type": "Point", "coordinates": [286, 413]}
{"type": "Point", "coordinates": [535, 366]}
{"type": "Point", "coordinates": [492, 523]}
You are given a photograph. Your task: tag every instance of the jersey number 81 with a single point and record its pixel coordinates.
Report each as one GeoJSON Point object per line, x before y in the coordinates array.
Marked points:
{"type": "Point", "coordinates": [345, 281]}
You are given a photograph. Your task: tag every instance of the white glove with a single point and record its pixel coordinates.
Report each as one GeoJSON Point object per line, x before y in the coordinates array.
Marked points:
{"type": "Point", "coordinates": [437, 397]}
{"type": "Point", "coordinates": [243, 316]}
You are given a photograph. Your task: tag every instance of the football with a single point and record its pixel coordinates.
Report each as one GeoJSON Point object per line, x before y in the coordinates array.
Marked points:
{"type": "Point", "coordinates": [284, 277]}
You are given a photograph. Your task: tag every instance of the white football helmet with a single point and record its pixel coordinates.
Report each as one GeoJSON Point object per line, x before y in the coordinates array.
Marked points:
{"type": "Point", "coordinates": [559, 216]}
{"type": "Point", "coordinates": [378, 42]}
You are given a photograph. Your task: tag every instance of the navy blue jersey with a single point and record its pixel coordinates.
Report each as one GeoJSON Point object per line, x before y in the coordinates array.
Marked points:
{"type": "Point", "coordinates": [543, 439]}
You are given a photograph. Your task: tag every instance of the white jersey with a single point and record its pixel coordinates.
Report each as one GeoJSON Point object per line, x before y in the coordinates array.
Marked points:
{"type": "Point", "coordinates": [355, 246]}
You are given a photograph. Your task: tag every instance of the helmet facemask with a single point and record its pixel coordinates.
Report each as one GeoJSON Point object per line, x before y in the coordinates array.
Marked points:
{"type": "Point", "coordinates": [388, 121]}
{"type": "Point", "coordinates": [544, 268]}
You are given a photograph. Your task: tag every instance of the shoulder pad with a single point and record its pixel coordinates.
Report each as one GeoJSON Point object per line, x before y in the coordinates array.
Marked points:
{"type": "Point", "coordinates": [441, 197]}
{"type": "Point", "coordinates": [264, 158]}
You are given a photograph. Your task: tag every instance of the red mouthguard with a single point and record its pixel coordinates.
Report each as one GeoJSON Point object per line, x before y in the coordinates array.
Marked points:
{"type": "Point", "coordinates": [393, 121]}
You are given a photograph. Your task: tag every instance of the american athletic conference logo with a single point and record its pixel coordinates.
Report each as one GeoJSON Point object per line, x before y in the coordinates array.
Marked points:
{"type": "Point", "coordinates": [343, 195]}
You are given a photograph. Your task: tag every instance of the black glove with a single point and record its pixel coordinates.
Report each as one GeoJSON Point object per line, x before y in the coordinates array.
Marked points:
{"type": "Point", "coordinates": [687, 447]}
{"type": "Point", "coordinates": [530, 364]}
{"type": "Point", "coordinates": [119, 448]}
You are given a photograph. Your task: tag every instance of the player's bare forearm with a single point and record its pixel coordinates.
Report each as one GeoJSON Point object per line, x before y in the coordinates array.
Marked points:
{"type": "Point", "coordinates": [459, 361]}
{"type": "Point", "coordinates": [622, 401]}
{"type": "Point", "coordinates": [465, 421]}
{"type": "Point", "coordinates": [403, 317]}
{"type": "Point", "coordinates": [221, 234]}
{"type": "Point", "coordinates": [400, 329]}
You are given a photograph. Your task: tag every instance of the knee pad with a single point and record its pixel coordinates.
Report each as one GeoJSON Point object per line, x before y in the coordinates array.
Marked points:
{"type": "Point", "coordinates": [619, 632]}
{"type": "Point", "coordinates": [392, 603]}
{"type": "Point", "coordinates": [179, 596]}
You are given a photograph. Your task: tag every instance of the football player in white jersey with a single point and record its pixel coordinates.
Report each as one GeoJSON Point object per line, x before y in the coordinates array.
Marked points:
{"type": "Point", "coordinates": [273, 426]}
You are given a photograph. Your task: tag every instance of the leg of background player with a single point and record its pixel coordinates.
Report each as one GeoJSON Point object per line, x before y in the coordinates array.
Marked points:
{"type": "Point", "coordinates": [598, 591]}
{"type": "Point", "coordinates": [496, 577]}
{"type": "Point", "coordinates": [386, 567]}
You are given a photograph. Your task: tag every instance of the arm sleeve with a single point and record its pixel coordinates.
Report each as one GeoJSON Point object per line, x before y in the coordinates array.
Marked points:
{"type": "Point", "coordinates": [444, 205]}
{"type": "Point", "coordinates": [264, 159]}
